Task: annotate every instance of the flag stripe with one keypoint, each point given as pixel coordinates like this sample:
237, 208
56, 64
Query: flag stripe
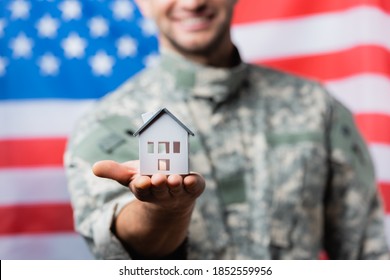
57, 218
43, 118
33, 185
60, 246
363, 94
36, 218
387, 229
381, 157
249, 11
385, 192
374, 127
338, 64
32, 152
331, 32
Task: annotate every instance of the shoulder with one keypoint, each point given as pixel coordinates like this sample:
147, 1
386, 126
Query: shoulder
270, 78
280, 86
289, 98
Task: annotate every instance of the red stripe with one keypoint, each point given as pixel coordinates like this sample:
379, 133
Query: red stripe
374, 127
336, 65
32, 152
248, 11
384, 189
49, 152
40, 218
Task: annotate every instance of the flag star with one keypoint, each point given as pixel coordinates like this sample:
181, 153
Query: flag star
21, 46
148, 27
101, 64
71, 9
20, 9
3, 65
2, 26
74, 46
126, 46
151, 60
98, 27
47, 26
122, 9
49, 64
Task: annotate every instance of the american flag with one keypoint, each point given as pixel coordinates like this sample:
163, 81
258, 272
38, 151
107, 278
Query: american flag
58, 57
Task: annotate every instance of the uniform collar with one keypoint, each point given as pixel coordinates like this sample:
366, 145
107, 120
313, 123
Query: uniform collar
202, 81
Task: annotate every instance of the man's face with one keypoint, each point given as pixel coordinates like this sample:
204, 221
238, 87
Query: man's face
197, 27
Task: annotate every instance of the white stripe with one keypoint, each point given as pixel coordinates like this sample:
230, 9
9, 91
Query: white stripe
33, 185
40, 118
44, 247
313, 34
387, 229
381, 157
366, 93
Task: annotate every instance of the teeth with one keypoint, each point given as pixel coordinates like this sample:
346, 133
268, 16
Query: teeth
194, 21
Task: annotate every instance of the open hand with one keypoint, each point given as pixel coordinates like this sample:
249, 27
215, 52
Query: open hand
169, 192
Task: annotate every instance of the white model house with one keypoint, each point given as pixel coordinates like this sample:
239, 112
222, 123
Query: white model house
163, 144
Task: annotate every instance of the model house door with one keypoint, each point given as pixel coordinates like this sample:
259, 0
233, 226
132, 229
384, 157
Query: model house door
163, 165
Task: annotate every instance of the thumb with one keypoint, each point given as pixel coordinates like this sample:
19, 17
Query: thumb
122, 173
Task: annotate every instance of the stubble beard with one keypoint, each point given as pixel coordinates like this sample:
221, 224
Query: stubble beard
205, 50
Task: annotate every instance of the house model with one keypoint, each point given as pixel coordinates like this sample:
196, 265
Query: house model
163, 144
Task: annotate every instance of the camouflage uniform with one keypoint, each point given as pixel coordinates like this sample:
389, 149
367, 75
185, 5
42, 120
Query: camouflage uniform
286, 171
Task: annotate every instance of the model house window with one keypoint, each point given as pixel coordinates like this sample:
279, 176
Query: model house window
163, 147
163, 165
150, 147
176, 147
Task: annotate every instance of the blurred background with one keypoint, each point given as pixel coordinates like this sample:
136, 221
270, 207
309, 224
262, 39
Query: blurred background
58, 57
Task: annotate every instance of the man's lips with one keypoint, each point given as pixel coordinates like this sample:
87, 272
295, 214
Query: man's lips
194, 23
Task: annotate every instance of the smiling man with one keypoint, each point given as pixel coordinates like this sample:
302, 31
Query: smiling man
196, 29
282, 170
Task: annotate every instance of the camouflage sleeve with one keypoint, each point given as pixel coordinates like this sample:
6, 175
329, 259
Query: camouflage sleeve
354, 226
96, 201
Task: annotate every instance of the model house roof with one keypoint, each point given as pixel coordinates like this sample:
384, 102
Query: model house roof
156, 116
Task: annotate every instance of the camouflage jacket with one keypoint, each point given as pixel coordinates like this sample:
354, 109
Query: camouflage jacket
287, 174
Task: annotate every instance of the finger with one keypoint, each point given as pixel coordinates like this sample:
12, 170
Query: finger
132, 164
122, 173
141, 188
141, 182
158, 179
104, 168
159, 187
194, 184
175, 185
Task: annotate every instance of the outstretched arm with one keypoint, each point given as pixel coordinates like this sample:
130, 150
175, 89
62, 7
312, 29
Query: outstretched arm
156, 224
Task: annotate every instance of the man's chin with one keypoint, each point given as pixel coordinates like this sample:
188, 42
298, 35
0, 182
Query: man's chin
198, 49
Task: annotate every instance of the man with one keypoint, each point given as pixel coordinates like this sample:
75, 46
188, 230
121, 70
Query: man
283, 172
